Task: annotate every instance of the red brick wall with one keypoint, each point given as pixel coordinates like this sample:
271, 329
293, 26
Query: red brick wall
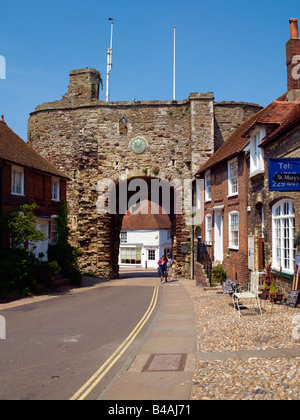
37, 189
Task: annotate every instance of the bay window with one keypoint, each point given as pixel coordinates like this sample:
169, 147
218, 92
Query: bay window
283, 230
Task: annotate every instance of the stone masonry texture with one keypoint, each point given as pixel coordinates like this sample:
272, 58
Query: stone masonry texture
89, 140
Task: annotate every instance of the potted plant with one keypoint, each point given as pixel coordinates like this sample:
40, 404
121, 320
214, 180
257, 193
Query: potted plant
219, 274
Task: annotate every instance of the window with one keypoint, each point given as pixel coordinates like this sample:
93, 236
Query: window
123, 126
151, 254
123, 237
208, 228
131, 255
168, 234
233, 188
256, 152
53, 230
199, 193
233, 229
55, 189
283, 227
17, 180
207, 186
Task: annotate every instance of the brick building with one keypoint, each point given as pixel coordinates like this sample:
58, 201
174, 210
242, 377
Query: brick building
225, 219
274, 194
145, 236
119, 142
25, 178
258, 216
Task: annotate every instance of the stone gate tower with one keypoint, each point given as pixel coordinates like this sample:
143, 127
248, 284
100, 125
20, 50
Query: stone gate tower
92, 140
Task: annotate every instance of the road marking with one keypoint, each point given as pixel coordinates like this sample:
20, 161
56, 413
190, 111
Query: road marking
102, 371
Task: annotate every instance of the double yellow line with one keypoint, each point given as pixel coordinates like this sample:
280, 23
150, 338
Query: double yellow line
102, 371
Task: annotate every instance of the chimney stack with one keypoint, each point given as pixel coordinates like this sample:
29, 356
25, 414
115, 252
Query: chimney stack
294, 28
293, 62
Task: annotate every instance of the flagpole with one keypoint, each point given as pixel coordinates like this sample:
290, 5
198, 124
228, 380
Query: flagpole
109, 60
174, 64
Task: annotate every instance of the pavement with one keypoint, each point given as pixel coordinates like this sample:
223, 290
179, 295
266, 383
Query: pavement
164, 366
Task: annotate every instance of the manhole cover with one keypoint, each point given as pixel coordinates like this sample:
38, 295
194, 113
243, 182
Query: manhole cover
170, 362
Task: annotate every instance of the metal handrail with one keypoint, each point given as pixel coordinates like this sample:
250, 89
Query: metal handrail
204, 258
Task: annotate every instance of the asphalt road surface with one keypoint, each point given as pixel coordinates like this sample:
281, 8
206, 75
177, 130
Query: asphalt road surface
73, 346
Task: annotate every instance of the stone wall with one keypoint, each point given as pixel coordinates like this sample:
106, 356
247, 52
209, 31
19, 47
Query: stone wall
90, 141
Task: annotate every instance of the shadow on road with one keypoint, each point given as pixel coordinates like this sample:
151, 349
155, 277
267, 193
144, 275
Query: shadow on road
126, 274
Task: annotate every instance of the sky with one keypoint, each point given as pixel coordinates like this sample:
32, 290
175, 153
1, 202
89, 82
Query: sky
234, 48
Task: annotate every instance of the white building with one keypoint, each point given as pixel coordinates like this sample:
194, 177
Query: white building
144, 237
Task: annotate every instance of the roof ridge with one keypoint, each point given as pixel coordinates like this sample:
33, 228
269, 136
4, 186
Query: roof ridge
10, 136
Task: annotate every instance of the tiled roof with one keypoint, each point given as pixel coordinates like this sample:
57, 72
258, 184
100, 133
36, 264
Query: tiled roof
278, 115
134, 219
284, 116
16, 151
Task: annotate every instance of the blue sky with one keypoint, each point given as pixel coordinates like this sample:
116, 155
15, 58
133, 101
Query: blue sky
234, 48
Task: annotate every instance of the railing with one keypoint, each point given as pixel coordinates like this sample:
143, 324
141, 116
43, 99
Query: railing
205, 256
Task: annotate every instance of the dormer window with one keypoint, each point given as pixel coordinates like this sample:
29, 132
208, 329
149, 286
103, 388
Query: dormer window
256, 152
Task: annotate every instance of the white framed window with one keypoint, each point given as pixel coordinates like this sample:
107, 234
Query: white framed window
256, 152
233, 185
53, 230
208, 228
55, 196
131, 255
17, 180
283, 230
123, 237
151, 254
233, 229
207, 186
199, 193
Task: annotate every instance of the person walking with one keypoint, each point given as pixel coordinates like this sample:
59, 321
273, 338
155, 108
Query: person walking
168, 268
162, 265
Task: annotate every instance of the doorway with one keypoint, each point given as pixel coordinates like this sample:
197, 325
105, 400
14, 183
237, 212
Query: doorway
218, 228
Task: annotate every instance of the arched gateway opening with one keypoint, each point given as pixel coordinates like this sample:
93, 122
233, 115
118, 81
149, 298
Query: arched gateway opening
114, 200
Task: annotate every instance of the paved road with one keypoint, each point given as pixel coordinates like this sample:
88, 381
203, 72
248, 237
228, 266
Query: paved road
53, 347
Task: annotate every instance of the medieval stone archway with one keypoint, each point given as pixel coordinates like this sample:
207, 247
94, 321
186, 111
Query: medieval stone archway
94, 142
101, 240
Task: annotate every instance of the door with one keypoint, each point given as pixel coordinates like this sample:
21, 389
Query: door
218, 228
40, 249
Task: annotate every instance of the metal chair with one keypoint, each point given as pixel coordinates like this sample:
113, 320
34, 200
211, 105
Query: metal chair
248, 298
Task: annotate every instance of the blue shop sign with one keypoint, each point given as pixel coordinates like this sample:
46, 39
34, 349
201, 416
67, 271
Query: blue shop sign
284, 174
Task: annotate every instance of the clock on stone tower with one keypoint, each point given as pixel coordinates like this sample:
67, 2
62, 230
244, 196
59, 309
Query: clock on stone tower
138, 145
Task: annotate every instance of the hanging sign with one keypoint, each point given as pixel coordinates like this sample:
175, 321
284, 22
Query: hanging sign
284, 174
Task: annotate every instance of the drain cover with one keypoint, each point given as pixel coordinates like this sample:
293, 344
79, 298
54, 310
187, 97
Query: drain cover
166, 362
